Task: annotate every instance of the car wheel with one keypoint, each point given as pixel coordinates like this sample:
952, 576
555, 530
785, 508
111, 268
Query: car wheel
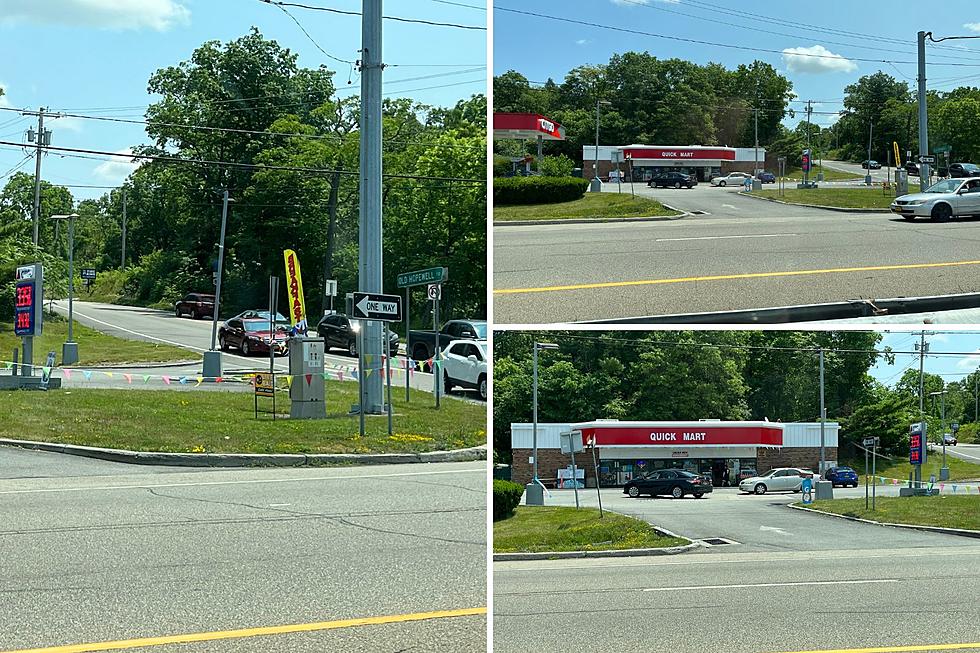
677, 492
760, 488
942, 213
419, 353
352, 347
698, 496
246, 350
483, 387
633, 491
193, 313
721, 183
177, 311
222, 343
447, 385
677, 184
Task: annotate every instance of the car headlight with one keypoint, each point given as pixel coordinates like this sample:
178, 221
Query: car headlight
916, 203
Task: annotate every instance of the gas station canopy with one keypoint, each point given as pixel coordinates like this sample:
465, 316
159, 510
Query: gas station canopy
526, 126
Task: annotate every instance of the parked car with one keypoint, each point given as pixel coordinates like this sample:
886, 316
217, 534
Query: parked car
731, 179
911, 167
252, 337
422, 344
781, 479
766, 177
256, 314
675, 482
963, 170
197, 305
465, 366
950, 440
870, 165
943, 200
339, 331
672, 179
843, 476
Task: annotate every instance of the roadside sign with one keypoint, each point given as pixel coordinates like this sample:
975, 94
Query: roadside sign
263, 385
422, 277
46, 371
330, 288
927, 159
28, 295
917, 444
805, 160
943, 149
898, 158
433, 291
571, 441
871, 442
375, 306
88, 274
955, 426
616, 156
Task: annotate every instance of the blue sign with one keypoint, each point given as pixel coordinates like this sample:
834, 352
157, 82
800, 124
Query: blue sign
917, 444
26, 308
807, 489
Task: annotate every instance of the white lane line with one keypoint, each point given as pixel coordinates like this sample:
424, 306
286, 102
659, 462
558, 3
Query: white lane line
672, 240
137, 333
728, 206
790, 584
254, 481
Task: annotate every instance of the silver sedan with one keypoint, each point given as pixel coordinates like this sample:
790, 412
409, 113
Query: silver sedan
943, 200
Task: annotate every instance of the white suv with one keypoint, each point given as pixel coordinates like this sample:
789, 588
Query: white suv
464, 364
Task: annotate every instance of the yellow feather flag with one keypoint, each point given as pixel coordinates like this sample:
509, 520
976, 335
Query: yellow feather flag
294, 284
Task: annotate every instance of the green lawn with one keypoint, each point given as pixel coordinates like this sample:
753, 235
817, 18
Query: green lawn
94, 348
540, 528
592, 205
855, 198
185, 421
829, 174
945, 510
900, 468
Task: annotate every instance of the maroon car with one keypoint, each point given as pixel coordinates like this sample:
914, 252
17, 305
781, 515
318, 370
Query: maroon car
196, 305
252, 337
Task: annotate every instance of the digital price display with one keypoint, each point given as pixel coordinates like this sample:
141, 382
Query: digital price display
805, 160
25, 308
915, 449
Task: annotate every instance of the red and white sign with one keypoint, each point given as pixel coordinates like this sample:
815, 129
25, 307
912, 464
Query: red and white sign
526, 125
681, 153
682, 434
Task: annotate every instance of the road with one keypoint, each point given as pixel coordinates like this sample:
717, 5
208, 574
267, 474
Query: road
967, 452
739, 253
879, 175
102, 552
788, 582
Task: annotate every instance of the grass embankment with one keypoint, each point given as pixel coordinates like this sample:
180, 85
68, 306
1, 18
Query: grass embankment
829, 174
538, 528
959, 469
94, 348
852, 198
592, 205
223, 422
945, 511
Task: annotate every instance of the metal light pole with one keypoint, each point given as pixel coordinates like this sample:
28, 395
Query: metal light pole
69, 350
534, 489
871, 127
122, 265
944, 470
823, 417
923, 114
596, 184
212, 358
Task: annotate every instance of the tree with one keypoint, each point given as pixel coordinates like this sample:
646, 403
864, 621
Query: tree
888, 419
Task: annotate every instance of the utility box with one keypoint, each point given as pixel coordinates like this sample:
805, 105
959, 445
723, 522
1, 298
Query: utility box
901, 182
306, 393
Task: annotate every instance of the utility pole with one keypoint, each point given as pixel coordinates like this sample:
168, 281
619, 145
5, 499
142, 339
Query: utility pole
806, 173
823, 418
871, 127
123, 260
923, 348
42, 138
923, 114
369, 228
756, 142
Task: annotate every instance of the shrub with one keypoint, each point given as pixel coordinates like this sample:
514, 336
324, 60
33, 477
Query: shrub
501, 166
506, 497
537, 190
556, 166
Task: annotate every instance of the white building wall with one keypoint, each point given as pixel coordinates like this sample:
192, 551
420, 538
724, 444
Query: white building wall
748, 154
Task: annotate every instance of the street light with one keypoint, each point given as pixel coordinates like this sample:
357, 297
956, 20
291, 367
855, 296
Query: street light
596, 184
944, 470
534, 489
69, 350
212, 358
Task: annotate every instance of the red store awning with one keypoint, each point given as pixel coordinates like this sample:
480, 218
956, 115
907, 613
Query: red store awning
526, 125
682, 434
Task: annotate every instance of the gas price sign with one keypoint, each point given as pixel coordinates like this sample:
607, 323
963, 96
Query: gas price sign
917, 442
25, 308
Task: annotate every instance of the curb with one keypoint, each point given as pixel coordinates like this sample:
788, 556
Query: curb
658, 218
613, 553
916, 527
251, 459
838, 209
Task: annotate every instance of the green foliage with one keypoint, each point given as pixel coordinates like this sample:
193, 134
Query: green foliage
556, 166
506, 497
887, 419
537, 190
969, 433
501, 165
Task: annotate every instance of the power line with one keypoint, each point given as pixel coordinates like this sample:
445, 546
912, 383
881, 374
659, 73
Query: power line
18, 166
400, 19
312, 40
460, 4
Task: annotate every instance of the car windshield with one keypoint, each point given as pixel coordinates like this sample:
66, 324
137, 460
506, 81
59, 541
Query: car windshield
253, 326
945, 186
481, 330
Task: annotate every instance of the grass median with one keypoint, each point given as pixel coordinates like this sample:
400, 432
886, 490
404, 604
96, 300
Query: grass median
535, 529
945, 511
850, 198
94, 348
829, 174
959, 469
224, 422
591, 206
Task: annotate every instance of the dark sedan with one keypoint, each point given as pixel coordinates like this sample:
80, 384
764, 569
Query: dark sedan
341, 332
672, 180
871, 165
963, 170
675, 482
252, 337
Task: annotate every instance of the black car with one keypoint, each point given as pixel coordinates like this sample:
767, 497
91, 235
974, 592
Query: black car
340, 331
962, 170
672, 180
871, 165
675, 482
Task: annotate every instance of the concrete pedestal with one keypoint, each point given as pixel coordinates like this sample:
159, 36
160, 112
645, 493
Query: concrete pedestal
823, 490
533, 495
69, 353
595, 185
756, 184
212, 364
867, 180
944, 473
918, 492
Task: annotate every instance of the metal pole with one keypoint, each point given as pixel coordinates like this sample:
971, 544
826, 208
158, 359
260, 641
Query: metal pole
756, 142
806, 173
595, 169
922, 417
360, 375
923, 113
540, 152
71, 279
942, 422
874, 472
272, 325
370, 227
123, 266
574, 479
866, 477
823, 417
871, 129
388, 372
408, 354
534, 403
221, 265
595, 463
436, 371
36, 211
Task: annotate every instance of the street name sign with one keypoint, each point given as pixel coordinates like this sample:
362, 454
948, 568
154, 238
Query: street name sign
422, 277
375, 306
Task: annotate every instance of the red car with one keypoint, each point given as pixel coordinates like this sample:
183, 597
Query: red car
196, 305
252, 337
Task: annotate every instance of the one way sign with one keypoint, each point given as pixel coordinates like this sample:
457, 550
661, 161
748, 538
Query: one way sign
373, 306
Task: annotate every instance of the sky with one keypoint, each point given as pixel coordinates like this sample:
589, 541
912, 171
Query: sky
952, 367
94, 57
840, 30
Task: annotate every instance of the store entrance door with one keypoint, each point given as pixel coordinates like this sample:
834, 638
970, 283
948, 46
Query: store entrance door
718, 472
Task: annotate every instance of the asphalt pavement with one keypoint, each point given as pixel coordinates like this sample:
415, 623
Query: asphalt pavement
788, 581
734, 252
99, 552
968, 452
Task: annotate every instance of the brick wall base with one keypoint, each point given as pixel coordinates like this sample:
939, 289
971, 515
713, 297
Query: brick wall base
805, 457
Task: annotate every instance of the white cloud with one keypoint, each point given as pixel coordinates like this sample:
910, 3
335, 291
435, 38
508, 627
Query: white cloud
117, 169
582, 42
103, 14
816, 59
973, 27
969, 362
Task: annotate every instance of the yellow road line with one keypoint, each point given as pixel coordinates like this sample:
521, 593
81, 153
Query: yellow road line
900, 649
254, 632
729, 277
